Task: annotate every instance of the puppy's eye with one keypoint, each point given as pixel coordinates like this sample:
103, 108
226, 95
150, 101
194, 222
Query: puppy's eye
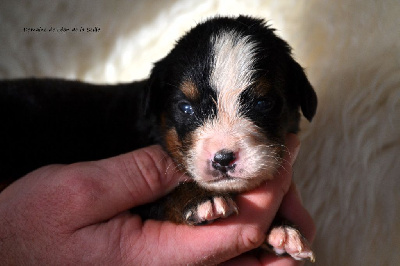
263, 105
186, 108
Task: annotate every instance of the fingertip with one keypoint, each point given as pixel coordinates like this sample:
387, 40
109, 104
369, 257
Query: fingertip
149, 171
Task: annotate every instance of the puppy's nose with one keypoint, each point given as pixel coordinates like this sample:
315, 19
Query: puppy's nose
223, 159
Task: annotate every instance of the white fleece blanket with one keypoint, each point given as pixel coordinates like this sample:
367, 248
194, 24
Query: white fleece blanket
348, 169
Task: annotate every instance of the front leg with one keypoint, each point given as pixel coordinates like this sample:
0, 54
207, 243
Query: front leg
190, 204
203, 206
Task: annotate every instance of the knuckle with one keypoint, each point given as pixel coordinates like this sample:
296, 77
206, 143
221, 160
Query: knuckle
78, 189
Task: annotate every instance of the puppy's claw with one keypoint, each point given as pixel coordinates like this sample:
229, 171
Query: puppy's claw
210, 210
288, 240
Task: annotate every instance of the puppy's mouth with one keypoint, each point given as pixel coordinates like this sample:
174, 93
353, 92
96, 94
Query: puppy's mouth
222, 169
218, 177
221, 173
224, 179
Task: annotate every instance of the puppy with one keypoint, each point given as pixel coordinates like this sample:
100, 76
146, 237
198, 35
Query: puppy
221, 103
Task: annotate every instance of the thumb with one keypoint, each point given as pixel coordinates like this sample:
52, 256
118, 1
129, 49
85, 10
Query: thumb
105, 188
143, 175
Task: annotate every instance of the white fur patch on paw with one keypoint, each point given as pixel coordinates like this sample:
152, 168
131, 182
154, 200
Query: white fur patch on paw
210, 210
288, 240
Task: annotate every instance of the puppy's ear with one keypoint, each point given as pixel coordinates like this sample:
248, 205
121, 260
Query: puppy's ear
305, 94
154, 98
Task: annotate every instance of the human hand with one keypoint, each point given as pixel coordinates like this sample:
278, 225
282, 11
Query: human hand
291, 209
79, 214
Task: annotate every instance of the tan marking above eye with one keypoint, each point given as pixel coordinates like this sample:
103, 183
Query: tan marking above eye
261, 88
190, 90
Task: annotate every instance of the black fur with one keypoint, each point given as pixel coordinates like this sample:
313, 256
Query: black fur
48, 121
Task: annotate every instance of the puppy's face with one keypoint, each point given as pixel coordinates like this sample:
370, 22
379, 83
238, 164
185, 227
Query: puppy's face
227, 95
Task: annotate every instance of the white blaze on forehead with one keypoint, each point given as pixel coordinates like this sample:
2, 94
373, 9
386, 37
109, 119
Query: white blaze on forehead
232, 68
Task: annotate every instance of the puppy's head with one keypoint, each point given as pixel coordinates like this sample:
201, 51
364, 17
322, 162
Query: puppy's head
226, 96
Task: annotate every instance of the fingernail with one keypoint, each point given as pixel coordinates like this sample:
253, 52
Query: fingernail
293, 145
294, 154
297, 192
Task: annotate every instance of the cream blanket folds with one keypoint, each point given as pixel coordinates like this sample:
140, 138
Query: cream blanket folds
348, 169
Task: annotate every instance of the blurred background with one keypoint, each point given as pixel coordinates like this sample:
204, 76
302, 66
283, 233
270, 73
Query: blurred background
348, 169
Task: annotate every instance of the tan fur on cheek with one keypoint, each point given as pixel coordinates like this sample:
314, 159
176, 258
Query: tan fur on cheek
174, 147
172, 143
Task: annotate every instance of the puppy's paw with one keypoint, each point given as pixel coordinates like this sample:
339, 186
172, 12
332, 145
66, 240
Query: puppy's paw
288, 240
209, 210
